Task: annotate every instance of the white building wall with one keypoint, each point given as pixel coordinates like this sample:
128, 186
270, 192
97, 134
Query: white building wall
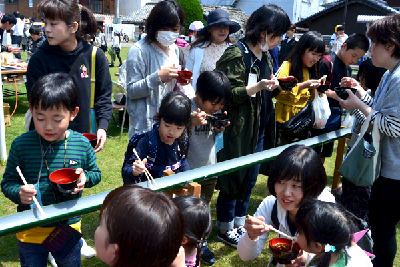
249, 6
126, 7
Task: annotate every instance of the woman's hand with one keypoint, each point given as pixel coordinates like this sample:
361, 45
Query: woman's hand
311, 84
14, 50
350, 82
269, 85
352, 102
198, 118
167, 74
332, 94
255, 226
101, 140
26, 194
81, 182
138, 167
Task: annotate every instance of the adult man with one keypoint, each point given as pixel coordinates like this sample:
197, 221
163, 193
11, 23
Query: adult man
336, 66
7, 22
288, 43
17, 31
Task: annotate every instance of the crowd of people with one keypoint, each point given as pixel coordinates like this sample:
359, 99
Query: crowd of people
170, 129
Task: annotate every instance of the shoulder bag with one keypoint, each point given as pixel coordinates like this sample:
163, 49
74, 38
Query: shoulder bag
363, 162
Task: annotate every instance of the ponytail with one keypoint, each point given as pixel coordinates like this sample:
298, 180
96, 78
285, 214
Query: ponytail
88, 24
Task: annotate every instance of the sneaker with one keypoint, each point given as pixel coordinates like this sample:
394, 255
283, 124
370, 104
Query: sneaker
207, 256
86, 251
52, 260
231, 237
240, 230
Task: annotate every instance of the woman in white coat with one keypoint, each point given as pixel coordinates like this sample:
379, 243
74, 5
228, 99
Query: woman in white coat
211, 43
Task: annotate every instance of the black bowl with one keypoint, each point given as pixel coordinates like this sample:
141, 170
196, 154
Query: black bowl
287, 83
66, 180
92, 138
342, 93
218, 120
324, 87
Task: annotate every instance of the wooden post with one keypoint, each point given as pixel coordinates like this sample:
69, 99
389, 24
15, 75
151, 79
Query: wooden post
338, 162
192, 188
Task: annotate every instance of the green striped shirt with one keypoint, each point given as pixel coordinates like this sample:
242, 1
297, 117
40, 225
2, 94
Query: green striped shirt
26, 152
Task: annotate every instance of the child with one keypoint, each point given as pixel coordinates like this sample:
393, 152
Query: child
303, 64
36, 34
138, 227
54, 103
164, 147
65, 50
198, 226
297, 175
336, 66
325, 230
213, 91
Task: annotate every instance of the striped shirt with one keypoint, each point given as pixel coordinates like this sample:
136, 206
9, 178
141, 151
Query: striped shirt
26, 152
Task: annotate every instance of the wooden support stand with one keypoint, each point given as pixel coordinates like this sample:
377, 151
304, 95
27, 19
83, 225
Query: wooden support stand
192, 188
338, 162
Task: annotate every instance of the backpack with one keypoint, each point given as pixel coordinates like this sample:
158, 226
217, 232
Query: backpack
328, 61
152, 150
97, 41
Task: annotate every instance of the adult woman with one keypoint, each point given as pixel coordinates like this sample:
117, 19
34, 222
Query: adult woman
65, 50
211, 43
151, 65
249, 111
383, 217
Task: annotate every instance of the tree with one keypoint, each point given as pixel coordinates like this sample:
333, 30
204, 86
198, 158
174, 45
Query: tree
193, 12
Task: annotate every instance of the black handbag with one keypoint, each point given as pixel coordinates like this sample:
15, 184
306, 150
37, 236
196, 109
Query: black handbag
300, 123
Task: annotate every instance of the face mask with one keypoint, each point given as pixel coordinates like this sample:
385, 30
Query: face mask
264, 47
166, 38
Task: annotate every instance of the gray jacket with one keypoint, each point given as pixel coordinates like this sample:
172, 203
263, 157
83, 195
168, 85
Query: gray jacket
143, 84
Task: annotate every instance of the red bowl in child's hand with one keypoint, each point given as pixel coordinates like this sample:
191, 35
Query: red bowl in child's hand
92, 138
287, 83
280, 248
184, 76
66, 179
324, 87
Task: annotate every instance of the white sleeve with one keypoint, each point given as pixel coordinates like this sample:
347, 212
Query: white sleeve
250, 249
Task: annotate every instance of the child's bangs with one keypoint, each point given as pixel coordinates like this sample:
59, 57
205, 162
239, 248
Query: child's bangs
53, 10
176, 116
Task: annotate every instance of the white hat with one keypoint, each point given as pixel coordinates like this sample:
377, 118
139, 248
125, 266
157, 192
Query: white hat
196, 26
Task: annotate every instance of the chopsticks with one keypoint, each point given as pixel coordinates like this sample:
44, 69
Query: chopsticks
277, 231
146, 172
280, 69
34, 198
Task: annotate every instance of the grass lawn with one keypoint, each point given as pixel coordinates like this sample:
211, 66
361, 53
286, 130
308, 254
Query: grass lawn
110, 162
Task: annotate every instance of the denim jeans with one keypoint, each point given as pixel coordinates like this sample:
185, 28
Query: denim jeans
232, 212
35, 255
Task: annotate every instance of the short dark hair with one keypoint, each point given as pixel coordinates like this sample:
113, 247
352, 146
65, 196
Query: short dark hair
340, 28
371, 74
386, 31
325, 223
16, 14
10, 18
197, 217
314, 42
100, 29
141, 27
292, 26
270, 18
165, 14
35, 29
22, 17
69, 11
55, 90
302, 164
140, 220
357, 40
213, 86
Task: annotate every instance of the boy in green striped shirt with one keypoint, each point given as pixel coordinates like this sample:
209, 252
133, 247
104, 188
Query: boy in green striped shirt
51, 146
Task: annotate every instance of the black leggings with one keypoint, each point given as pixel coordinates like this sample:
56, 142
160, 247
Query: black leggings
383, 216
119, 57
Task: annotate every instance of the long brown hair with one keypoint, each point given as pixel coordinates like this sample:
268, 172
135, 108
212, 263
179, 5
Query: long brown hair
70, 12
